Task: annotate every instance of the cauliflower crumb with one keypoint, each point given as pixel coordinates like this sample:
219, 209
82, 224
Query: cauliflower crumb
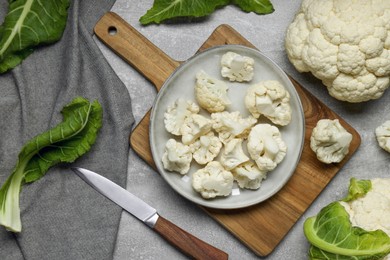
177, 157
236, 67
382, 133
330, 141
270, 99
211, 93
212, 181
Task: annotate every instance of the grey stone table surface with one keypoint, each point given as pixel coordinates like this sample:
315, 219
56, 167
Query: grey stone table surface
181, 41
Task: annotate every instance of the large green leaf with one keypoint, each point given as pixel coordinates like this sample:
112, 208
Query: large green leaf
333, 237
257, 6
28, 24
66, 142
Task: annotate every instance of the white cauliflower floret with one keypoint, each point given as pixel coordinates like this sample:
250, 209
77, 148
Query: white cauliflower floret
372, 211
382, 133
193, 127
233, 154
211, 93
206, 148
176, 114
266, 146
236, 67
248, 175
177, 157
346, 44
212, 181
330, 141
230, 125
270, 99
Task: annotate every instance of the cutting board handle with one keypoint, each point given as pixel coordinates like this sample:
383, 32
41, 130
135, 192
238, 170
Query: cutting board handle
134, 48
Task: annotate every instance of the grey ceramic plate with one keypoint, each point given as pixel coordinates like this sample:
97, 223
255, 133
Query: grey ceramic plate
181, 85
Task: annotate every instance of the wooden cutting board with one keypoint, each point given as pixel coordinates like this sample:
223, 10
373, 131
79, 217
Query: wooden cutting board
260, 227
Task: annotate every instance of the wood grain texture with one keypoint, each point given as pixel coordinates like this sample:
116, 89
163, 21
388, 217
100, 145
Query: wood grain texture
260, 227
187, 243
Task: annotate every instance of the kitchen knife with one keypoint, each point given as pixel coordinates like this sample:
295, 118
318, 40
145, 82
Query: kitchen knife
187, 243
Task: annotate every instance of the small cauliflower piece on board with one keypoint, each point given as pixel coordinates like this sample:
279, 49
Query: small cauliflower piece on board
270, 99
266, 146
212, 181
248, 175
330, 141
236, 67
211, 93
177, 113
193, 127
177, 157
206, 148
382, 133
233, 154
230, 125
346, 44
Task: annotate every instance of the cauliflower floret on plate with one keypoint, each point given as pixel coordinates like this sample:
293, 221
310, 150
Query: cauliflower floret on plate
345, 44
270, 99
177, 113
211, 93
193, 127
382, 134
266, 146
236, 67
230, 125
248, 175
212, 181
206, 148
330, 141
233, 154
177, 157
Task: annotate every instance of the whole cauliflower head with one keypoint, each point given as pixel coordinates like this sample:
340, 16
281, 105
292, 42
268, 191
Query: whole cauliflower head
193, 127
270, 99
248, 175
230, 125
212, 181
236, 67
177, 157
266, 146
177, 113
330, 141
206, 148
211, 93
233, 154
344, 43
382, 133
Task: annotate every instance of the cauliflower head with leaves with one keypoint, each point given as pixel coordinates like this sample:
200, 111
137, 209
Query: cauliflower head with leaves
344, 43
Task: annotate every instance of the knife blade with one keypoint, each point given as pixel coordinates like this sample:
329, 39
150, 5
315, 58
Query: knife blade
184, 241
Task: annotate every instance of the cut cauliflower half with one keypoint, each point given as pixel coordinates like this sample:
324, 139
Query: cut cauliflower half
177, 113
270, 99
236, 67
212, 181
211, 93
206, 148
346, 44
382, 133
230, 125
266, 146
193, 127
249, 176
177, 157
233, 154
330, 141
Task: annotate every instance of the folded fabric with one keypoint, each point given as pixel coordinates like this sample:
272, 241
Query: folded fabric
62, 217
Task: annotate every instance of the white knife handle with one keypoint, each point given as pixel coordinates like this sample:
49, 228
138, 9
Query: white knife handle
187, 243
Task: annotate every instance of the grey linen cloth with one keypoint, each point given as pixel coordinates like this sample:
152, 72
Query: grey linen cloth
63, 217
